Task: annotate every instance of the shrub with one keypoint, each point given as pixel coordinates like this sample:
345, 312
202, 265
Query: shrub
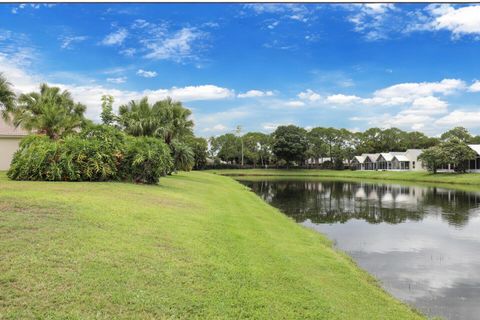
183, 156
70, 159
146, 159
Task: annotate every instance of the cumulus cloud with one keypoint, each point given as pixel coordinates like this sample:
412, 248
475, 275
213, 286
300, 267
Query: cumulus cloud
146, 74
342, 99
460, 118
255, 94
475, 87
373, 20
309, 95
115, 38
459, 21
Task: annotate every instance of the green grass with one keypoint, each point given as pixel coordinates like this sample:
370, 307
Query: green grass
448, 178
196, 246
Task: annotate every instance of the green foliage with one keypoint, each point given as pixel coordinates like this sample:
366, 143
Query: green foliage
7, 98
290, 143
70, 159
226, 147
257, 148
51, 112
459, 133
107, 115
183, 156
165, 119
433, 158
453, 151
200, 151
146, 159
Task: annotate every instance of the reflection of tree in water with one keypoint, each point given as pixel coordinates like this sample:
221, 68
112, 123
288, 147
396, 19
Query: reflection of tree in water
335, 201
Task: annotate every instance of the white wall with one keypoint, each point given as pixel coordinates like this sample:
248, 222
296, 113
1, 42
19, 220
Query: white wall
8, 146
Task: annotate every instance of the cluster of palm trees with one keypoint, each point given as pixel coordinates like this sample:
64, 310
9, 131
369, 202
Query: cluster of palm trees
54, 113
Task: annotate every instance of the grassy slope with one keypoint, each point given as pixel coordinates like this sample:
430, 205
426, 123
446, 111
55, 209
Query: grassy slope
450, 178
196, 246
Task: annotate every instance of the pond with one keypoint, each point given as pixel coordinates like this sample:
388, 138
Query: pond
422, 243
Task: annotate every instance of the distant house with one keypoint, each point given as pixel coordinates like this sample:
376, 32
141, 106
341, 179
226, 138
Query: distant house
395, 161
9, 140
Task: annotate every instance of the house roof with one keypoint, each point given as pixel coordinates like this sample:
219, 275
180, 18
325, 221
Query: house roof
8, 130
401, 158
360, 159
372, 156
475, 147
387, 156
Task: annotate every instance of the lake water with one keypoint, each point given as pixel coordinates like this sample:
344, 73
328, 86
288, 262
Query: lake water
422, 243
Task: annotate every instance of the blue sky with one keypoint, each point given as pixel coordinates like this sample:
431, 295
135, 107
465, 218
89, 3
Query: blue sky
258, 65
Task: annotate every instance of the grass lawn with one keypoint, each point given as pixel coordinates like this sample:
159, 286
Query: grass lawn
196, 246
449, 178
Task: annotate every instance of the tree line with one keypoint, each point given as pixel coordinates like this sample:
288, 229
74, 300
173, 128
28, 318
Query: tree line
330, 147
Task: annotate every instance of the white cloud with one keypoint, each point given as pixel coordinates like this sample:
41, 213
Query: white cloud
374, 20
460, 21
128, 52
177, 47
117, 80
115, 38
146, 74
295, 104
309, 95
475, 87
427, 106
218, 128
191, 93
342, 99
255, 94
68, 41
460, 118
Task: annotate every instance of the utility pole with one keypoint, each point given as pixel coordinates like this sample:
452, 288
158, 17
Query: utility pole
238, 131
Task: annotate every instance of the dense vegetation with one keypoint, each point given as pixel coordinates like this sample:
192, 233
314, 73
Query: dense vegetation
291, 145
142, 143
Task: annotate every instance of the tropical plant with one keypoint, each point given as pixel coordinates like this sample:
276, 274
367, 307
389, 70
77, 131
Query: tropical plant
51, 112
7, 98
165, 119
146, 159
107, 115
199, 147
183, 156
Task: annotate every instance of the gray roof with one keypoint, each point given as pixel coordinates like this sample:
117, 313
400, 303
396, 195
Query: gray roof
8, 130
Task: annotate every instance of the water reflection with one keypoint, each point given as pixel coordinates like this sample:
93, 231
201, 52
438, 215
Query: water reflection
422, 243
334, 201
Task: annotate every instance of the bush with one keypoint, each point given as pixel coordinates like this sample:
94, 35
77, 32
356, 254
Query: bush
71, 159
146, 159
99, 153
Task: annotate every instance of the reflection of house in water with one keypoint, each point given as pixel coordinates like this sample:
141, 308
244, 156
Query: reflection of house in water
335, 201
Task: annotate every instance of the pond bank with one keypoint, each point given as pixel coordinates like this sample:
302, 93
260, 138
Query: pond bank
413, 176
196, 246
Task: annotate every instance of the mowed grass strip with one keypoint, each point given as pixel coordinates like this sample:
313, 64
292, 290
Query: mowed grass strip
197, 246
414, 176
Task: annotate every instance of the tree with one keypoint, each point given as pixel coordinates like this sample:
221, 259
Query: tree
165, 119
183, 156
7, 98
458, 153
318, 147
107, 115
200, 151
257, 147
434, 158
226, 147
458, 132
290, 143
51, 112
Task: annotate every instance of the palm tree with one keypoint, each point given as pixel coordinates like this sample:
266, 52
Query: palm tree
51, 112
7, 98
165, 119
183, 156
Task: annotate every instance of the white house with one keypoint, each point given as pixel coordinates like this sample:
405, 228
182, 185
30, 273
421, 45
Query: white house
400, 161
9, 141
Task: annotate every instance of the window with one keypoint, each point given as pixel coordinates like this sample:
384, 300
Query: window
413, 164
